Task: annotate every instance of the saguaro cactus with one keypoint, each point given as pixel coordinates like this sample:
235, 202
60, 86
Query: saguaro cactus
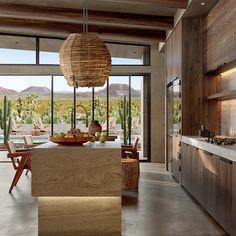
125, 120
5, 119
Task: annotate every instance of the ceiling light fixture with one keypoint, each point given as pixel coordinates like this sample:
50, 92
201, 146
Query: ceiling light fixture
202, 3
85, 60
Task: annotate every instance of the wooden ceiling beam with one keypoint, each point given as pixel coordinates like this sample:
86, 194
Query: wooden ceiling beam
63, 15
11, 24
155, 3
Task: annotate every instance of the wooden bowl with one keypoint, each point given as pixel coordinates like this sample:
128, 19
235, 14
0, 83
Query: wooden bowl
70, 141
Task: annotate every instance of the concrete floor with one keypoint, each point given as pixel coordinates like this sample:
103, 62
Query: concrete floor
161, 208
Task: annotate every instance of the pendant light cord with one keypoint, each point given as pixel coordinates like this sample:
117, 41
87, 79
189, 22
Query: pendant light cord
85, 16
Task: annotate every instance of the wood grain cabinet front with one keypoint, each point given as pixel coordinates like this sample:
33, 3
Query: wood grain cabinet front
176, 157
232, 228
220, 35
174, 54
211, 180
188, 156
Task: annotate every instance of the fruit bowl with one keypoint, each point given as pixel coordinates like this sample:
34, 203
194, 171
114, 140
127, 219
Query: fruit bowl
70, 141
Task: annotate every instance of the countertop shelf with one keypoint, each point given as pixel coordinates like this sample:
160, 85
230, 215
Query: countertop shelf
227, 95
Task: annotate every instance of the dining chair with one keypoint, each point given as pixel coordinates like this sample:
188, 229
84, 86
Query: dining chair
130, 151
21, 160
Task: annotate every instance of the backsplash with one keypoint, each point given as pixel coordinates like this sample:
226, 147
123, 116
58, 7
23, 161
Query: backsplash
228, 107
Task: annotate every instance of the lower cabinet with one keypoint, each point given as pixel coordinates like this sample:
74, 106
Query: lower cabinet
233, 211
176, 157
210, 179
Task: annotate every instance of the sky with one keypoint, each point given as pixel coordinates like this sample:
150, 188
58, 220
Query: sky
19, 83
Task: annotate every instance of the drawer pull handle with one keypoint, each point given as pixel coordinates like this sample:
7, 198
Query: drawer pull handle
208, 153
226, 160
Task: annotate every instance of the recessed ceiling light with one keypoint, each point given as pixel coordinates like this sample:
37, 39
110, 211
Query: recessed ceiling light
202, 3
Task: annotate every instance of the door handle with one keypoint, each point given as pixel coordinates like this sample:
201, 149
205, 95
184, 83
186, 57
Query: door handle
179, 154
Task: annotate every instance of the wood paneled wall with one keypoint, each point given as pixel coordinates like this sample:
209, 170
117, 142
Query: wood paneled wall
192, 75
196, 85
220, 35
185, 59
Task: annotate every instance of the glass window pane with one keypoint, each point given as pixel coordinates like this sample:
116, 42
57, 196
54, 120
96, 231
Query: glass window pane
17, 50
49, 50
63, 105
137, 112
30, 97
122, 54
118, 88
100, 105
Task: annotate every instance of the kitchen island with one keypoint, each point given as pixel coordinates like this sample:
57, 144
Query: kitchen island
78, 188
208, 173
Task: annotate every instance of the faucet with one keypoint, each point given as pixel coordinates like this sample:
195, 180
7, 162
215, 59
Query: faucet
79, 119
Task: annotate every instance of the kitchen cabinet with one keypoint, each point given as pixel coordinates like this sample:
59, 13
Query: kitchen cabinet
220, 35
208, 164
224, 193
232, 229
189, 167
184, 59
185, 156
173, 58
210, 179
176, 157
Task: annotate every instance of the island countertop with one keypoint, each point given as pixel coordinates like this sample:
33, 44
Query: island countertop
88, 145
226, 151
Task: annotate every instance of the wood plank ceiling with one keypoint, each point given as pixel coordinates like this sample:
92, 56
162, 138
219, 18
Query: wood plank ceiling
145, 20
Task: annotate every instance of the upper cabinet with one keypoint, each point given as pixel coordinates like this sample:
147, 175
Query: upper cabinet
184, 59
174, 54
220, 36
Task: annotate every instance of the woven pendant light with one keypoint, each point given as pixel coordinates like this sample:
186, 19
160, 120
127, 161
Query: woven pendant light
85, 60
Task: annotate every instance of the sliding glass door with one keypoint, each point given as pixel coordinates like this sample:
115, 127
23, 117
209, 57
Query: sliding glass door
33, 96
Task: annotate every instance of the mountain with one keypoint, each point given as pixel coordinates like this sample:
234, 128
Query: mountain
36, 90
4, 91
117, 90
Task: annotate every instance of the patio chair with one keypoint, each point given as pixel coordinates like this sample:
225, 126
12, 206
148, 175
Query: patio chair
38, 125
134, 125
15, 129
29, 143
111, 125
21, 159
